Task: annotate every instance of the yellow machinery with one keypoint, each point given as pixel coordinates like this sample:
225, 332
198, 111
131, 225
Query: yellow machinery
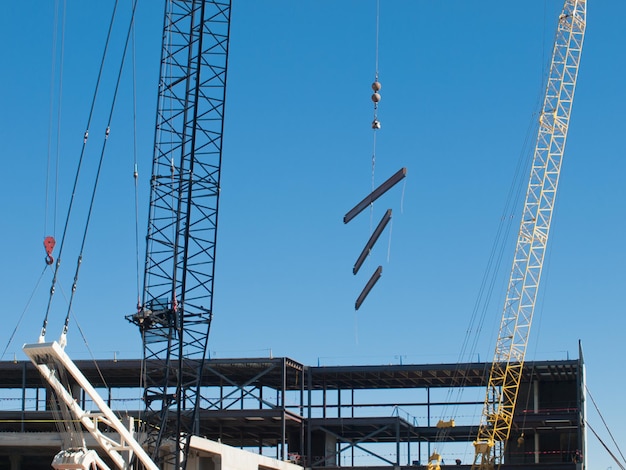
506, 370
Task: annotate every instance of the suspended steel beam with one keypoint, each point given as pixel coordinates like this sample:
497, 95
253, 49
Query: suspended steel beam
373, 239
368, 287
379, 191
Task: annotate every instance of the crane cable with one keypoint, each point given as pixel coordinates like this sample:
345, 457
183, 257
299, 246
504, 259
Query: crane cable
375, 99
61, 61
136, 188
489, 278
605, 425
54, 54
136, 167
613, 456
490, 274
101, 160
376, 87
76, 177
375, 126
376, 96
496, 255
19, 321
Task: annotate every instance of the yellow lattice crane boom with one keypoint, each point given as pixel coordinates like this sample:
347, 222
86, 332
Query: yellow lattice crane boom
506, 370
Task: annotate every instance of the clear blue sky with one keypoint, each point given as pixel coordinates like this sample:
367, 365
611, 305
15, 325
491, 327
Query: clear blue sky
462, 83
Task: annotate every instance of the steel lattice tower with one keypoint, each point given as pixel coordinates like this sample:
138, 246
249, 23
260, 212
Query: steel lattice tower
176, 311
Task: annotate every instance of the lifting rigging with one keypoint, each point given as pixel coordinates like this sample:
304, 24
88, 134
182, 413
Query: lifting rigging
377, 192
508, 362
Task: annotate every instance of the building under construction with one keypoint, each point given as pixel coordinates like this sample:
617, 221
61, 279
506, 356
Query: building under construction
531, 415
348, 416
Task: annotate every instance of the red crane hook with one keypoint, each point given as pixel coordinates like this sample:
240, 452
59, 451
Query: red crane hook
48, 244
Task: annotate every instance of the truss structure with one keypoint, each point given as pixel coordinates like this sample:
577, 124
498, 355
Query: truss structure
53, 362
175, 315
532, 240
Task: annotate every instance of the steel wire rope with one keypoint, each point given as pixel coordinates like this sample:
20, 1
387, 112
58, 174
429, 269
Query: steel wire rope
508, 214
167, 45
51, 112
89, 350
540, 302
613, 456
544, 72
494, 262
492, 270
136, 194
532, 126
595, 405
19, 321
76, 177
490, 276
389, 241
70, 429
374, 128
373, 177
373, 164
377, 32
136, 190
135, 164
525, 414
53, 75
84, 337
59, 109
100, 162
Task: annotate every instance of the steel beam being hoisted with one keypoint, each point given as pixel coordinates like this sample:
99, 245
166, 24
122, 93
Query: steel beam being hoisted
506, 369
371, 197
175, 314
372, 240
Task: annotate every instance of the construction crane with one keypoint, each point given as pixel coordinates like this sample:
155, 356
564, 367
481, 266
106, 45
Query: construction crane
506, 369
174, 316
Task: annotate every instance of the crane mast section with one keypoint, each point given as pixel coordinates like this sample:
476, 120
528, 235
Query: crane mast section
506, 371
175, 314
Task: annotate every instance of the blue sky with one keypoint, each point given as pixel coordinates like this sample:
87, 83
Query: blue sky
462, 83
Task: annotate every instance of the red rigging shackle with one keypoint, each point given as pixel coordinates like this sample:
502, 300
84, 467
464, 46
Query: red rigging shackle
48, 244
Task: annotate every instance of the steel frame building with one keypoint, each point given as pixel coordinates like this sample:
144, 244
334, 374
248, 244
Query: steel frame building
349, 416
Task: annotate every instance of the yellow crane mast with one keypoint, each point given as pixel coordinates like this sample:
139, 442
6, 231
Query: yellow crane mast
506, 369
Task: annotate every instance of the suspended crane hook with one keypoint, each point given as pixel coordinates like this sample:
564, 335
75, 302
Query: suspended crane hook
376, 86
48, 244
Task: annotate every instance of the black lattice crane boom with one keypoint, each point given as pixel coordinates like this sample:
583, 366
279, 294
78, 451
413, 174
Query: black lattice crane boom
175, 314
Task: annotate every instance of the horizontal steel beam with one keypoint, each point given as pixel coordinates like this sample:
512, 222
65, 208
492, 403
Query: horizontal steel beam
379, 191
